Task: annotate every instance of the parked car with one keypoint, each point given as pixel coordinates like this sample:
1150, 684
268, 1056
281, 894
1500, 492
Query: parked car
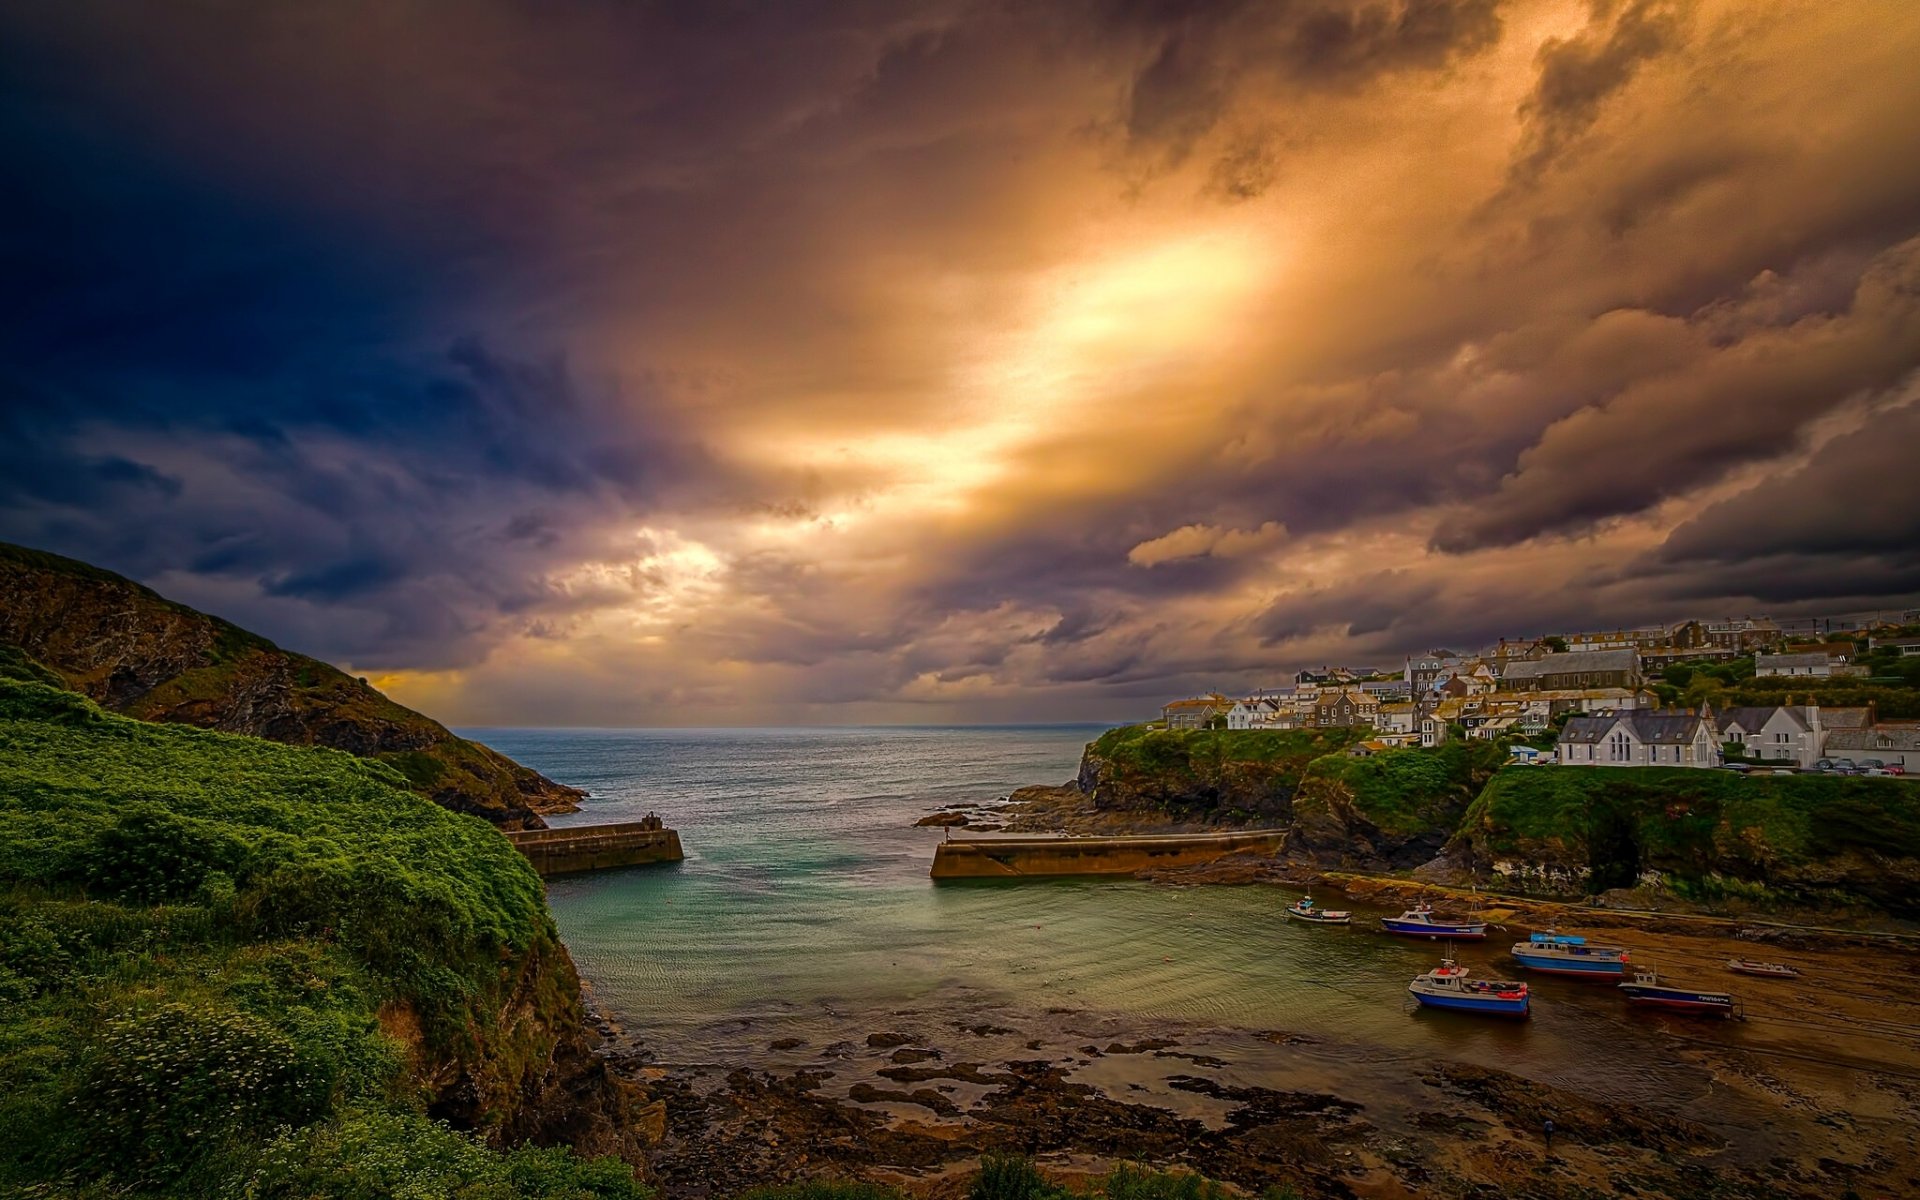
1783, 771
1844, 771
1848, 763
1894, 769
1741, 767
1867, 763
1824, 764
1879, 771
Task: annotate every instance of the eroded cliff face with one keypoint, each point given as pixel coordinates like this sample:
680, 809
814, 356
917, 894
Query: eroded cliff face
524, 1069
135, 652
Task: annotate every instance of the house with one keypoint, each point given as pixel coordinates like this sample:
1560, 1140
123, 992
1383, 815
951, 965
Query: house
1245, 713
1840, 652
1422, 670
1492, 729
1433, 730
1905, 645
1345, 708
1775, 733
1747, 633
1818, 665
1895, 745
1367, 748
1641, 738
1617, 639
1197, 713
1399, 717
1574, 669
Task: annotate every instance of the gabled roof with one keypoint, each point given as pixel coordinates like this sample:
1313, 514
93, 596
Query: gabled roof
1846, 718
1791, 660
1752, 718
1666, 728
1880, 737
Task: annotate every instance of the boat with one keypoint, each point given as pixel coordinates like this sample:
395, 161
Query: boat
1420, 921
1747, 966
1447, 986
1304, 909
1648, 989
1552, 953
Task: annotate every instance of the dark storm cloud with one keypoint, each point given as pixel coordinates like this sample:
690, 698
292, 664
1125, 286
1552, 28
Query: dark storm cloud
1857, 497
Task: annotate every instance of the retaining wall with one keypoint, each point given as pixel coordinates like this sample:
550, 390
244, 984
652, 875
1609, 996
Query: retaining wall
596, 847
1013, 858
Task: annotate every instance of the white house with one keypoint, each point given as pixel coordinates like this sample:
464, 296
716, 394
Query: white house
1397, 718
1643, 738
1777, 732
1794, 664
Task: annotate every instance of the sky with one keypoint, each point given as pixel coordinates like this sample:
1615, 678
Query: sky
934, 361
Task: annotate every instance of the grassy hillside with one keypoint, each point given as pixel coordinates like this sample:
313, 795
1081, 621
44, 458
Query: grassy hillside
1231, 775
1801, 838
234, 967
136, 652
1396, 808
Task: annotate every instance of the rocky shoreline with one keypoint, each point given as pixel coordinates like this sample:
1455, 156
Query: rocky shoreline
921, 1094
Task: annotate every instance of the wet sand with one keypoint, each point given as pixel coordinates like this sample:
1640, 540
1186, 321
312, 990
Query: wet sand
1814, 1094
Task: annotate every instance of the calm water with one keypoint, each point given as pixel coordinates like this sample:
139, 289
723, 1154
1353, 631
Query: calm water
804, 900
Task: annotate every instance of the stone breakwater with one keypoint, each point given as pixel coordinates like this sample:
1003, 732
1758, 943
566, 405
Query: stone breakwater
596, 847
1016, 858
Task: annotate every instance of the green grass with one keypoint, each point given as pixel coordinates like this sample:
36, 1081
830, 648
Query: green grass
199, 935
1799, 837
1237, 774
1406, 792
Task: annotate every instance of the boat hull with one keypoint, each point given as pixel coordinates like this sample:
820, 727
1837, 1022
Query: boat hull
1295, 916
1489, 1006
1434, 931
1683, 1000
1573, 968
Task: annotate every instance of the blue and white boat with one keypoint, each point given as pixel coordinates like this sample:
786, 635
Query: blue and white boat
1447, 986
1420, 921
1552, 953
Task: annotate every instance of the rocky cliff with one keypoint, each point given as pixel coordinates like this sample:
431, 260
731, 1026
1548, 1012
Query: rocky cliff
135, 652
1388, 811
1224, 777
1801, 840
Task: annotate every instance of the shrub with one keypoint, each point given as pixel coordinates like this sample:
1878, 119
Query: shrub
162, 1088
1012, 1177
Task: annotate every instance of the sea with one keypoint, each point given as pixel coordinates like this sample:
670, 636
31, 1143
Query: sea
804, 909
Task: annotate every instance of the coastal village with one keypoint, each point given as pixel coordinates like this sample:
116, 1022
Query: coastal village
1653, 696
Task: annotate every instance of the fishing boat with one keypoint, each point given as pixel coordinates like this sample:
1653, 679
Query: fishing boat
1646, 988
1447, 986
1552, 953
1304, 909
1420, 921
1747, 966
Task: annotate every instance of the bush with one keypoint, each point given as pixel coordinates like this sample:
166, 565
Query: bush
374, 1155
1012, 1177
162, 1088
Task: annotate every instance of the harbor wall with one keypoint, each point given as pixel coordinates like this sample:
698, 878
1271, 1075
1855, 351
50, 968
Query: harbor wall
596, 847
1015, 858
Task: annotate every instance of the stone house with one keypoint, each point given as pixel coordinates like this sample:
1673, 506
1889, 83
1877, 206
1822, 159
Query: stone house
1895, 745
1345, 708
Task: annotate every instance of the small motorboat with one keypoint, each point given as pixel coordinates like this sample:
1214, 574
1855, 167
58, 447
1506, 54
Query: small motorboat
1447, 986
1304, 909
1421, 922
1747, 966
1552, 953
1647, 988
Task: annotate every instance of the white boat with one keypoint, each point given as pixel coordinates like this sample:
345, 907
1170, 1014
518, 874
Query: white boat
1304, 909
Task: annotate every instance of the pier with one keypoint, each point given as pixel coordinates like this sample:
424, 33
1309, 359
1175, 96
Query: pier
564, 851
1020, 858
